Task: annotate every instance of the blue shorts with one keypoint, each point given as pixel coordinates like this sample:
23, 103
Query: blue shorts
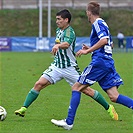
101, 70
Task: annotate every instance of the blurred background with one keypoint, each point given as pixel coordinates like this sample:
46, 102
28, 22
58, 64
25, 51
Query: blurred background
30, 25
19, 4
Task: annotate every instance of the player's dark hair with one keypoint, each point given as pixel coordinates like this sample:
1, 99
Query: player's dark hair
64, 14
94, 8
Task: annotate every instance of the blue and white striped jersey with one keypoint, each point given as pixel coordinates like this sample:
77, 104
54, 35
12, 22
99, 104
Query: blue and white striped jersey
101, 30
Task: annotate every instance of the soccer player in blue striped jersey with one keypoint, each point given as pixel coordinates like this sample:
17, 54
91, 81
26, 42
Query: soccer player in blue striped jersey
101, 69
64, 66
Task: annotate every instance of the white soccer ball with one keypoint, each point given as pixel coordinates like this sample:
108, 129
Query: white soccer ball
3, 113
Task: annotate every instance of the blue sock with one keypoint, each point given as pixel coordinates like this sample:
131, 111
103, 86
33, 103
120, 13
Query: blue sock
75, 100
126, 101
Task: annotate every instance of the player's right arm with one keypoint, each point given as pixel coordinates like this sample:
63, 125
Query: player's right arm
63, 45
96, 46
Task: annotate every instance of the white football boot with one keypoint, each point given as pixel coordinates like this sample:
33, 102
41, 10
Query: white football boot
62, 123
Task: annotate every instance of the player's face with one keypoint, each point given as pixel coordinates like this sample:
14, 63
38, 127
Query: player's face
88, 15
61, 22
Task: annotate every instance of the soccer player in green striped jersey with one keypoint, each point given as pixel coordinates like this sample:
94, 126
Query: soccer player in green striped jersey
64, 66
65, 56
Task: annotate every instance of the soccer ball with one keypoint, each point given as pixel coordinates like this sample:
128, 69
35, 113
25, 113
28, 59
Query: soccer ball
3, 113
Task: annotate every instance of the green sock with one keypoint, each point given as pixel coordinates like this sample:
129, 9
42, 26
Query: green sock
101, 100
32, 95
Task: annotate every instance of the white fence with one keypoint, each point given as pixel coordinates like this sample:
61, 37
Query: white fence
30, 4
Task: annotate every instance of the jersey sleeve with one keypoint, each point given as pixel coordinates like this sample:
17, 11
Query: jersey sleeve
101, 29
69, 36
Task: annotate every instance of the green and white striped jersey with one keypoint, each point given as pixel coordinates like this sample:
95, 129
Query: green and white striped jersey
65, 57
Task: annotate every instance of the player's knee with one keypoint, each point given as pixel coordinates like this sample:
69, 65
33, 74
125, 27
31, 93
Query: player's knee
89, 92
113, 94
73, 88
113, 98
38, 86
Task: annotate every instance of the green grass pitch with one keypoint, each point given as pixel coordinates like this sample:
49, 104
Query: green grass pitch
20, 70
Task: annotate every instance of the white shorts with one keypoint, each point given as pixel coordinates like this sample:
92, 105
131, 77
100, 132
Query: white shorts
55, 74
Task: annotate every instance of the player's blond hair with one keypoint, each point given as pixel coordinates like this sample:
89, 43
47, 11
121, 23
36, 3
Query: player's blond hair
94, 8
